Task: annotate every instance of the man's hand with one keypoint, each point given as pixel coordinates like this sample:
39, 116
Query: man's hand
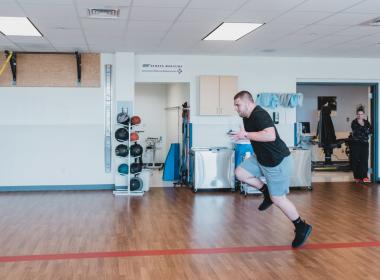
239, 135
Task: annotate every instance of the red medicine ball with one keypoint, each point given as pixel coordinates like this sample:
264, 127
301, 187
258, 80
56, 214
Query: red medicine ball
134, 136
135, 120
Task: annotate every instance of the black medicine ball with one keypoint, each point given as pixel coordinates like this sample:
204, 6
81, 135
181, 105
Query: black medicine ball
121, 134
136, 184
121, 150
123, 118
136, 167
136, 150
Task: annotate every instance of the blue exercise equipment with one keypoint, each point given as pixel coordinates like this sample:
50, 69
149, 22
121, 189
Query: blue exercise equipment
171, 166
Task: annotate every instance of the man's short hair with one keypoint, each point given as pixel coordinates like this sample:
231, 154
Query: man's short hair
244, 94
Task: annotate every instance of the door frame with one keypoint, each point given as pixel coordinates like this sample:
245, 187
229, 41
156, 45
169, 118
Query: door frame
374, 116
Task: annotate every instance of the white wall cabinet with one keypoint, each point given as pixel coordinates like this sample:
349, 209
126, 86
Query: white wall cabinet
216, 94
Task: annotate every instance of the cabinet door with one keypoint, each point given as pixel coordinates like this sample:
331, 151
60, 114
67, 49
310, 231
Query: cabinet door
228, 88
209, 95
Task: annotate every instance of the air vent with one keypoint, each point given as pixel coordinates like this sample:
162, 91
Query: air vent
103, 13
372, 22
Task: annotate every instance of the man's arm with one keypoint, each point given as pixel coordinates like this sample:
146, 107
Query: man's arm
266, 135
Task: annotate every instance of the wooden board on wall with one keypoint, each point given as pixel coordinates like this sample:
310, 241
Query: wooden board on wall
52, 70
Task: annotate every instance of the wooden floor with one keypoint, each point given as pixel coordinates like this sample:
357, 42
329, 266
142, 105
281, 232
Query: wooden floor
95, 235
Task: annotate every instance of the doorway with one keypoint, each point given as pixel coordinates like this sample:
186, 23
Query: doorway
346, 97
159, 106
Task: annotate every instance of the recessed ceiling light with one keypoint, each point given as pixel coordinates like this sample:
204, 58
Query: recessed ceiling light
231, 31
18, 26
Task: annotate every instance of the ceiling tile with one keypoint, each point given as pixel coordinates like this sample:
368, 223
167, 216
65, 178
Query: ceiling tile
267, 5
358, 31
346, 19
293, 27
46, 2
301, 17
5, 42
326, 5
78, 48
43, 24
52, 12
27, 40
107, 25
332, 40
366, 7
243, 15
107, 38
276, 28
159, 14
320, 29
212, 4
204, 15
191, 30
59, 36
38, 48
103, 47
11, 10
102, 3
141, 26
161, 3
146, 35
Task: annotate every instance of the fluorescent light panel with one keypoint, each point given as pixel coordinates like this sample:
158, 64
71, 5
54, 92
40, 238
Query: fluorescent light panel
232, 31
18, 26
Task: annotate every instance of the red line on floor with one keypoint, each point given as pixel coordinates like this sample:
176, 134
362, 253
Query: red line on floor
205, 251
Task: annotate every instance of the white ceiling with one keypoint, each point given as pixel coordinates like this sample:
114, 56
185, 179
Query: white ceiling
322, 28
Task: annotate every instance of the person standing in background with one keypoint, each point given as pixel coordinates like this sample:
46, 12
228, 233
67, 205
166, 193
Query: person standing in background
359, 146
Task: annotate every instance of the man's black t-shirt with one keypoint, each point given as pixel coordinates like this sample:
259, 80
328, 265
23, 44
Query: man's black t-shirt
267, 153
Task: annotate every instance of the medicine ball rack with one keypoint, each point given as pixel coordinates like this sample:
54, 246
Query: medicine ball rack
132, 159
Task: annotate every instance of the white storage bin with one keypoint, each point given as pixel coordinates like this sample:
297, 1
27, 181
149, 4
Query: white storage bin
145, 177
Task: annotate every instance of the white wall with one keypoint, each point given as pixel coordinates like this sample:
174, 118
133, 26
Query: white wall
52, 136
150, 103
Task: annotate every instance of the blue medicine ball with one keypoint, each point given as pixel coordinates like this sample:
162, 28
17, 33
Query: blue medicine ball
123, 168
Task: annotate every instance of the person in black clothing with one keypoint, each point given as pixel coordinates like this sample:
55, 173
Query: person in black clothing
359, 146
271, 160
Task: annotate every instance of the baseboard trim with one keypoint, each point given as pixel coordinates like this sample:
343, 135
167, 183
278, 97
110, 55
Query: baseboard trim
57, 188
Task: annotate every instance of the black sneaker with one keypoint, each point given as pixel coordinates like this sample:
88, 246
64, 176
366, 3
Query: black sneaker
267, 202
302, 233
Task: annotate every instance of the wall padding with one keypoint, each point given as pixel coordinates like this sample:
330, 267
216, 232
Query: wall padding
52, 70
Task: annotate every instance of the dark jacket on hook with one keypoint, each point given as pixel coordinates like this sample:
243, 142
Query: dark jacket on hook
325, 130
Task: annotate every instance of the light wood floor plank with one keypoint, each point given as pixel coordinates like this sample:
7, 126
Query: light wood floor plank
40, 223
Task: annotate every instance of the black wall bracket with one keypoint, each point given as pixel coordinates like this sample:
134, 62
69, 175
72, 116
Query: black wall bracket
12, 63
79, 66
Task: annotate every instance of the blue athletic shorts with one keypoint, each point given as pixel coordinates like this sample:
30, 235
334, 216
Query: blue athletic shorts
277, 177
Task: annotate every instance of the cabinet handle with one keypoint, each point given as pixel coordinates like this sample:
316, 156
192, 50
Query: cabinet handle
221, 110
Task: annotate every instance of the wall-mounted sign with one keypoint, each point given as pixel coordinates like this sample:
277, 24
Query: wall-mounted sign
162, 68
